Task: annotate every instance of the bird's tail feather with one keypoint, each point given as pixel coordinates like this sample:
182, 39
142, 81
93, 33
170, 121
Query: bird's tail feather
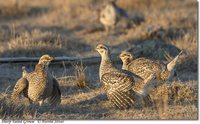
122, 100
55, 98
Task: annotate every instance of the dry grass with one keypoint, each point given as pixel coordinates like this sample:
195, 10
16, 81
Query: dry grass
71, 28
175, 93
80, 76
35, 41
13, 8
92, 104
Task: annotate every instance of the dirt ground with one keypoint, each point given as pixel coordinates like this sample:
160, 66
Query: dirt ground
71, 28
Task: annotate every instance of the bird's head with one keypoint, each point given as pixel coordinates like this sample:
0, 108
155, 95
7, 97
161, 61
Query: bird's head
102, 49
23, 68
46, 59
126, 56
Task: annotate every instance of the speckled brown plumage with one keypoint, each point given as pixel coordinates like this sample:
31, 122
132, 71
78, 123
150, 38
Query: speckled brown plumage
120, 85
40, 84
144, 67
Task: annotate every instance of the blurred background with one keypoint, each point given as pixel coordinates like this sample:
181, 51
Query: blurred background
72, 27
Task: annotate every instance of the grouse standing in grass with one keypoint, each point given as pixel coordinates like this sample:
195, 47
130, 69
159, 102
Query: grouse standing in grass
39, 84
120, 85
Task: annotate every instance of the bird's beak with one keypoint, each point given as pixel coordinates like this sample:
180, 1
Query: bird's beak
96, 48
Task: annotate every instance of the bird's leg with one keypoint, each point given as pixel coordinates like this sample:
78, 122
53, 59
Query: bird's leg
165, 105
157, 105
161, 109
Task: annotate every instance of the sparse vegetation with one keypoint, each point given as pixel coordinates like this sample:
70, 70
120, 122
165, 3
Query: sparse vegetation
175, 93
71, 28
80, 76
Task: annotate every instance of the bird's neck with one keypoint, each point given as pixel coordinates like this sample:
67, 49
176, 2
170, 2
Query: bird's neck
126, 64
106, 65
41, 68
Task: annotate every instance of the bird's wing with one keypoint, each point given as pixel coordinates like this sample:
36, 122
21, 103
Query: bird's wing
122, 100
21, 86
144, 67
146, 70
142, 86
56, 93
118, 87
117, 81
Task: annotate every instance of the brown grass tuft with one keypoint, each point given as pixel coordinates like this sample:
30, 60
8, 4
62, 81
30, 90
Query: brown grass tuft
35, 39
80, 76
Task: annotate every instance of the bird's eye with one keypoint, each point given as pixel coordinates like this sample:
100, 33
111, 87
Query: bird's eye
101, 47
125, 55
